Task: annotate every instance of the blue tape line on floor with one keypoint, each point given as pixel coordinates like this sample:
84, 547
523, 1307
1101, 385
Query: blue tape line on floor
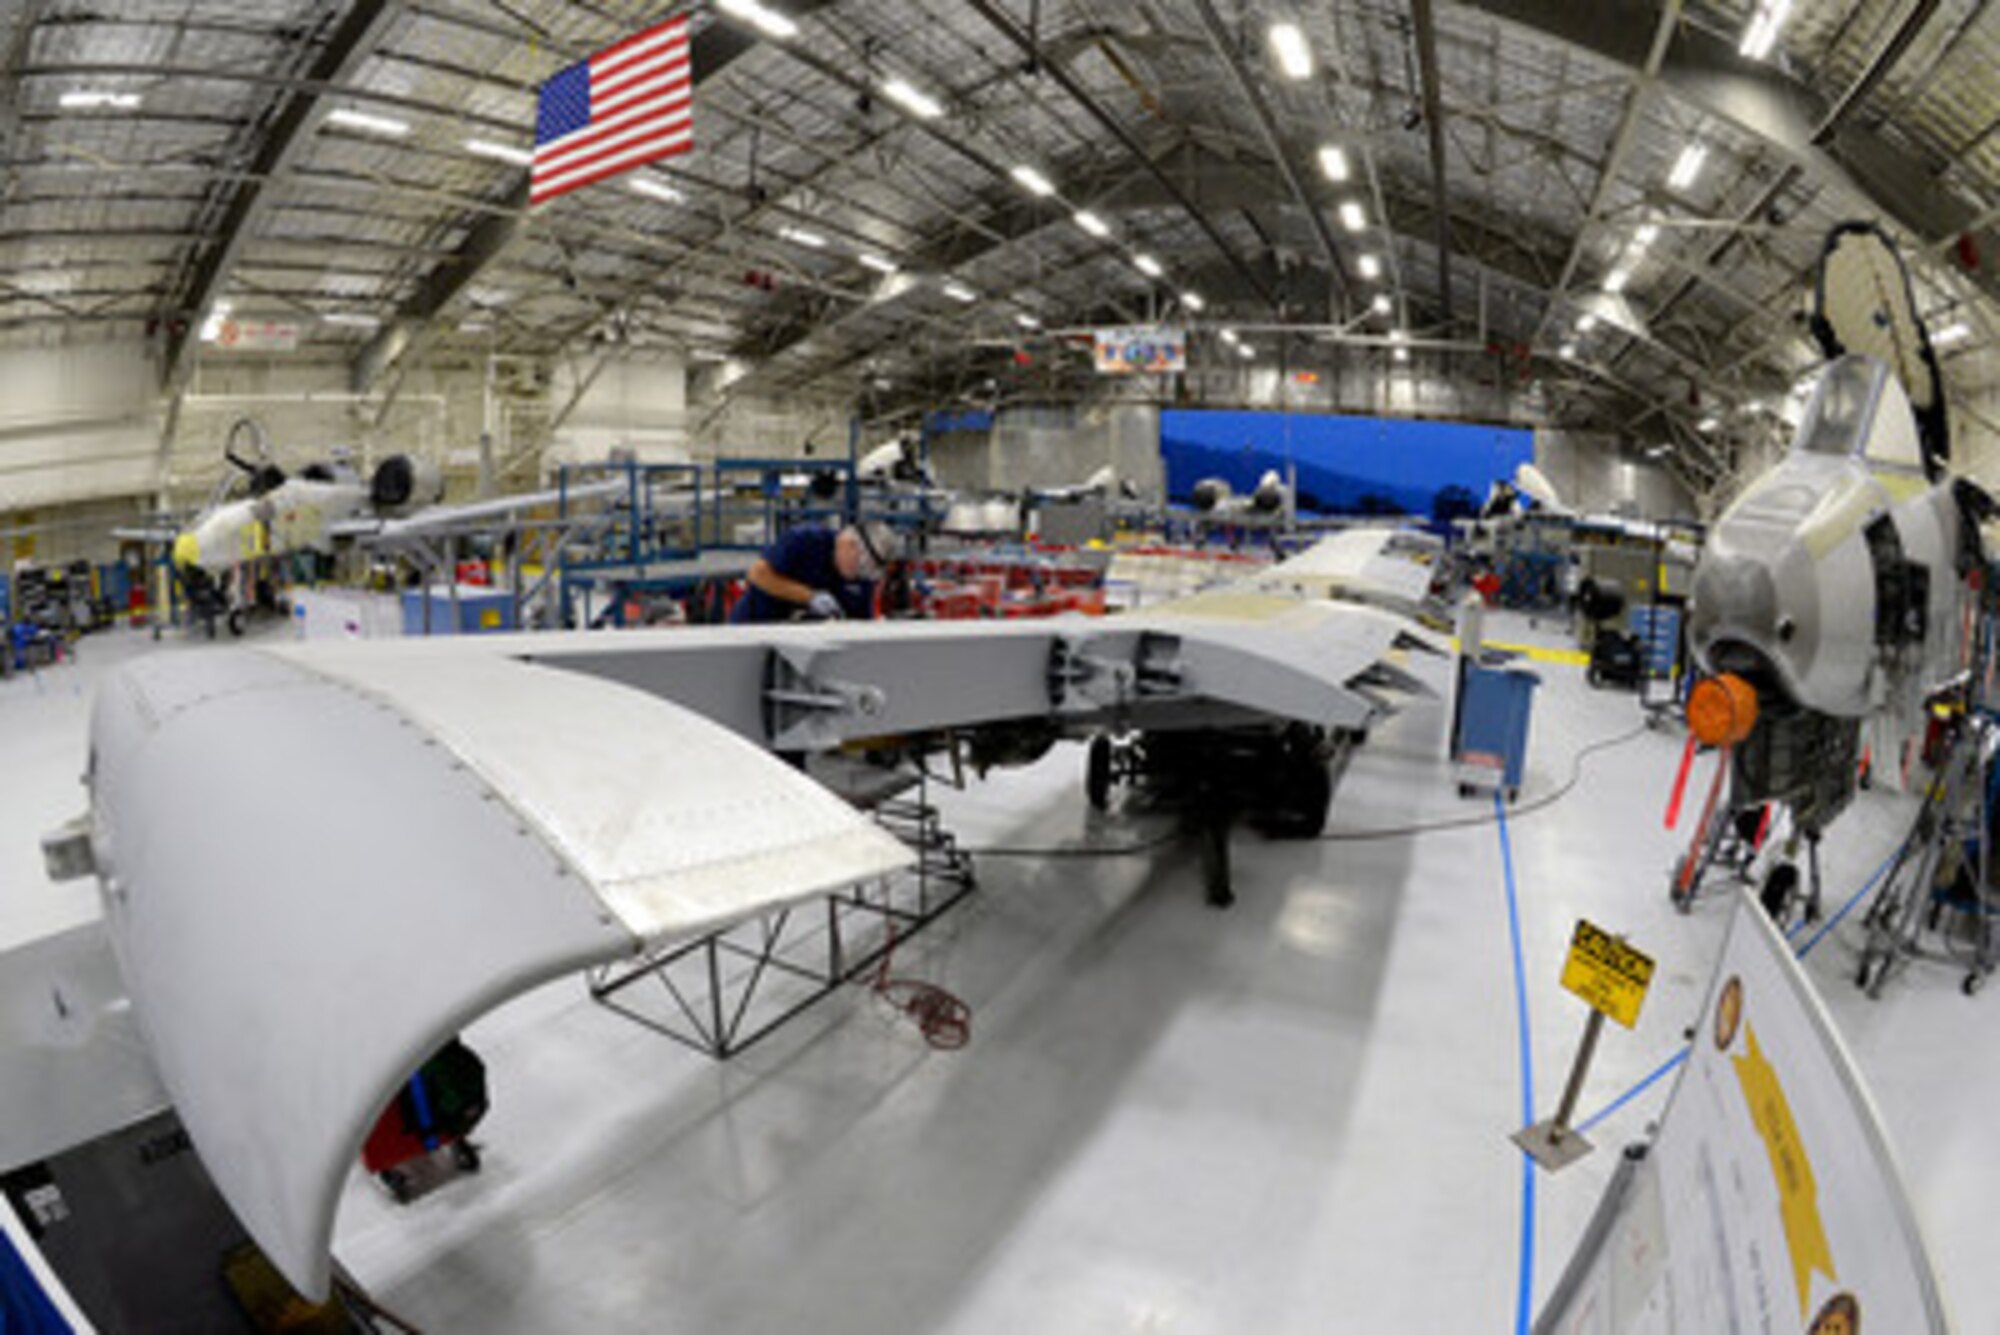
1848, 907
1524, 1294
1662, 1069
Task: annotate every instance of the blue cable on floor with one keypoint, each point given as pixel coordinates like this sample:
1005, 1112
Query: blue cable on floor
1674, 1061
1524, 1295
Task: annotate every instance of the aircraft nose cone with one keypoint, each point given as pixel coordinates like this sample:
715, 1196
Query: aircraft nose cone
1734, 598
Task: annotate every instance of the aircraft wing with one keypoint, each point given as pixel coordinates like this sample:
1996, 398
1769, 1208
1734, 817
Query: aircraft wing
513, 808
498, 824
434, 518
1384, 567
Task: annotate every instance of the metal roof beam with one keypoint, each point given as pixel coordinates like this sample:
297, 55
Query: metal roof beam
1260, 111
1427, 64
1704, 69
1028, 46
347, 47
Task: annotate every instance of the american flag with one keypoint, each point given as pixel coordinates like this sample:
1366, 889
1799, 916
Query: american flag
628, 105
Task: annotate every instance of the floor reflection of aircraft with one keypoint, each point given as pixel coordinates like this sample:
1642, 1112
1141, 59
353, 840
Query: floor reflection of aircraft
1835, 586
539, 803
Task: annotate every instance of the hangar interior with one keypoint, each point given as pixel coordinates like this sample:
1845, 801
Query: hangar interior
1534, 293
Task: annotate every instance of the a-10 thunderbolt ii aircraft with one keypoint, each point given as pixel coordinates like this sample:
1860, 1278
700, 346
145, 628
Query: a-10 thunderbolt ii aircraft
1837, 589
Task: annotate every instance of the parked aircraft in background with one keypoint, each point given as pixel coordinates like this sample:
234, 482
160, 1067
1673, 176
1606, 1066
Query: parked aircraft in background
1215, 502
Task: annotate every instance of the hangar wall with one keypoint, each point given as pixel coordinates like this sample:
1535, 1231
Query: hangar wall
1591, 473
76, 423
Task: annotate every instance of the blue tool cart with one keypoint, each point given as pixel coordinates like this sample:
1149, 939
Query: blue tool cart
1489, 745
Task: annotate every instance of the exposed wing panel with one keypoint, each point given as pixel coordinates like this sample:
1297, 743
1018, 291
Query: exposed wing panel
312, 881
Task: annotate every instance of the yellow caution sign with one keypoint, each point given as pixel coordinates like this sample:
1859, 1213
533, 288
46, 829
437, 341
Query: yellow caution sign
1607, 973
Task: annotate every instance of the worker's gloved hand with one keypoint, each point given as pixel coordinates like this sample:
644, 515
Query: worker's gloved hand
824, 607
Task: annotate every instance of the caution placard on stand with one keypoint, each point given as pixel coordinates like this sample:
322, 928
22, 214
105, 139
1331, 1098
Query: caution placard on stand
1607, 973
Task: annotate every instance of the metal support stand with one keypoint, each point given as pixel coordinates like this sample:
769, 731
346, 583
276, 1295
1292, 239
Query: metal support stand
1552, 1143
725, 991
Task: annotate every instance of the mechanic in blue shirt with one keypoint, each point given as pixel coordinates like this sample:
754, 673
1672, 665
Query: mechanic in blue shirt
820, 574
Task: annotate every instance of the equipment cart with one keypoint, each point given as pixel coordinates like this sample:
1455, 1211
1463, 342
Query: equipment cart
1489, 745
435, 1110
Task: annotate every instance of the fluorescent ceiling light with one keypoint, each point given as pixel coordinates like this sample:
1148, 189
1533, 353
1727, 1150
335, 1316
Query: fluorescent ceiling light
1352, 217
1656, 451
348, 317
1765, 24
1381, 305
1192, 300
1026, 321
1228, 336
486, 148
654, 188
1288, 44
1333, 162
1148, 266
1707, 424
766, 20
709, 355
90, 99
911, 98
1397, 336
1586, 324
1091, 223
1033, 181
1616, 280
1245, 351
799, 236
1566, 351
879, 263
1951, 333
475, 326
1647, 234
1401, 354
1370, 266
361, 120
1687, 166
959, 292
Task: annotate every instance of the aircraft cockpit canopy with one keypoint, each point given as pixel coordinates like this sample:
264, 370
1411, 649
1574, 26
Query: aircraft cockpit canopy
1859, 411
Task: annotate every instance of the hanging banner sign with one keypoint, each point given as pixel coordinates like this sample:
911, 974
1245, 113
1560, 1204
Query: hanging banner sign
257, 336
1142, 350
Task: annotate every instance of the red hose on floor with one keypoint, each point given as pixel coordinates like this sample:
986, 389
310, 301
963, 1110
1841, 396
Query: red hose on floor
944, 1020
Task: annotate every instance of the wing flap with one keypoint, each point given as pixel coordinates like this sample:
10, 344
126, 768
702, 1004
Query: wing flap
311, 882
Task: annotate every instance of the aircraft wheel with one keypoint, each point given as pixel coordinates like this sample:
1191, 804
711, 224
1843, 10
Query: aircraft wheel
466, 1155
1097, 773
236, 622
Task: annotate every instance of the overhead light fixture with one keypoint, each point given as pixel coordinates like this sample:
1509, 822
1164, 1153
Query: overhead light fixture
766, 20
368, 124
879, 263
486, 148
799, 236
1245, 351
1033, 181
93, 99
1687, 166
1567, 351
1333, 162
652, 187
475, 326
1647, 234
1766, 22
911, 98
1192, 300
1091, 223
1228, 336
1707, 424
1026, 321
350, 318
1288, 44
1951, 333
1381, 305
1352, 216
959, 292
1400, 353
1148, 266
1616, 280
1656, 451
1371, 268
1586, 324
709, 355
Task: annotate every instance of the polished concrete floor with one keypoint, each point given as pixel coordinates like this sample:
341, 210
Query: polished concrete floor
1288, 1116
